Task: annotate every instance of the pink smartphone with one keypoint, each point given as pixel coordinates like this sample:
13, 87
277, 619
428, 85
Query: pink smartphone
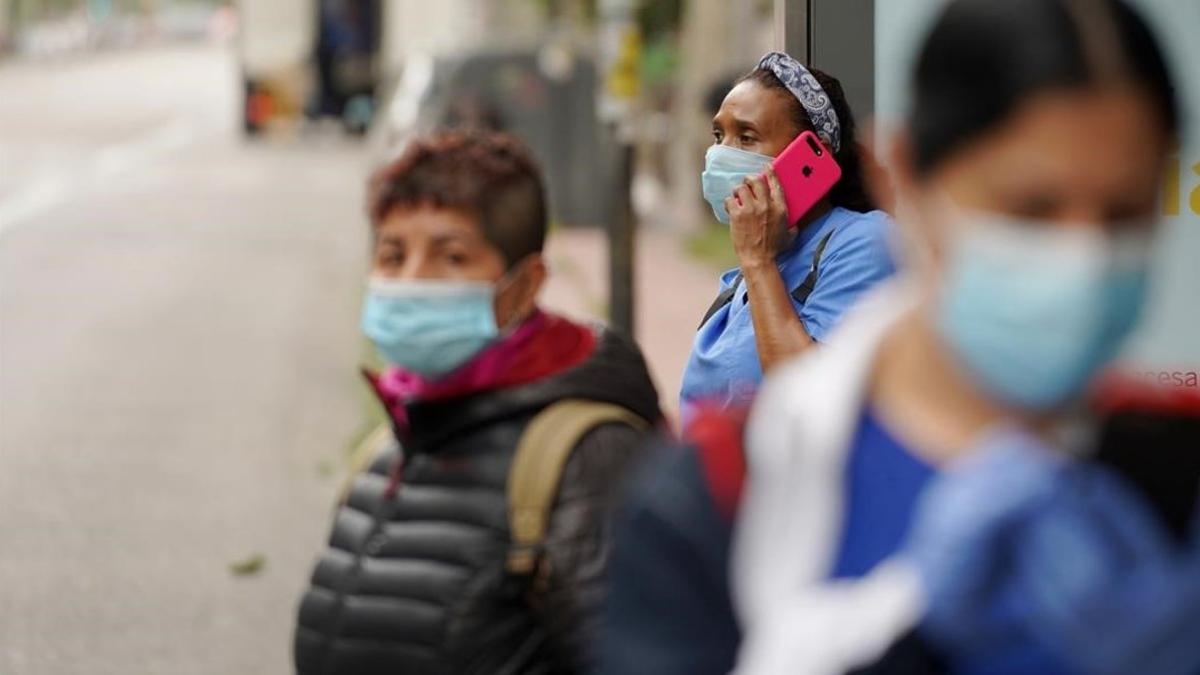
807, 172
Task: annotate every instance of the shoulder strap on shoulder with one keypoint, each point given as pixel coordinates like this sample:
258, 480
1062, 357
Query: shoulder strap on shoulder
800, 294
364, 453
724, 298
806, 287
537, 467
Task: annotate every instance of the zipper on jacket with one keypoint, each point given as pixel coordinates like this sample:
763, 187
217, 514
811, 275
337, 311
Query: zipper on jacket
371, 546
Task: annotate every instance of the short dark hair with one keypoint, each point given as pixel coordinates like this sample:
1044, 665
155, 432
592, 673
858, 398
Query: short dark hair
850, 192
489, 175
983, 58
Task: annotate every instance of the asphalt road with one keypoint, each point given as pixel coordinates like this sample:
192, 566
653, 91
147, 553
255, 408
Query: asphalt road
177, 351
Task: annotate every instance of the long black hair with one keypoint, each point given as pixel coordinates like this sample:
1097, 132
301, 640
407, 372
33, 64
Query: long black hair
983, 58
850, 192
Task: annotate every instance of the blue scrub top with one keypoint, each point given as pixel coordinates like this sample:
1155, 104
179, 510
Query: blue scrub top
883, 482
723, 368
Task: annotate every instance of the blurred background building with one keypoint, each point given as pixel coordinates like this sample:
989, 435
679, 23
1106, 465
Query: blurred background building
406, 65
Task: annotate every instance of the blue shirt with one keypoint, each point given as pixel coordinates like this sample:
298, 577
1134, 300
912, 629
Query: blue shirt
723, 367
669, 611
883, 481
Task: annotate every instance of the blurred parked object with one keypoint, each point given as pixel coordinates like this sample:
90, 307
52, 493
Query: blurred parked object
341, 55
275, 40
346, 59
556, 117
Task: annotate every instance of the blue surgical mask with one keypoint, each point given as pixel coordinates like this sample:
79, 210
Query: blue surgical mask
429, 327
1034, 310
724, 169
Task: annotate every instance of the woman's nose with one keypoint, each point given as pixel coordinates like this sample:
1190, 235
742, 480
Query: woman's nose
416, 268
1083, 215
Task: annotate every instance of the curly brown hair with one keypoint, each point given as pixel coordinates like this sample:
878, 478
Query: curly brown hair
490, 176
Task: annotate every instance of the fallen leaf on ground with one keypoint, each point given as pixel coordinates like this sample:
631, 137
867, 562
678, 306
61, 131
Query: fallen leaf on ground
249, 566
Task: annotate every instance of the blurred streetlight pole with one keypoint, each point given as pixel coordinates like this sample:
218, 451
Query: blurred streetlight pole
837, 37
620, 50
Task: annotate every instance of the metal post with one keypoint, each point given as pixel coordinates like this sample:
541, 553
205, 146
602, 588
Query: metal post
791, 28
621, 246
841, 41
620, 48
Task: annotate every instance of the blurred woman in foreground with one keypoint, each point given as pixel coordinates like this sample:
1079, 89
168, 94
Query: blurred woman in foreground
910, 499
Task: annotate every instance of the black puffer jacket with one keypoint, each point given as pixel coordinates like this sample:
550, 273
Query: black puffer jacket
415, 582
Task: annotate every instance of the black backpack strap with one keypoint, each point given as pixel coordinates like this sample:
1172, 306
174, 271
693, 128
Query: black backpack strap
800, 294
806, 287
723, 299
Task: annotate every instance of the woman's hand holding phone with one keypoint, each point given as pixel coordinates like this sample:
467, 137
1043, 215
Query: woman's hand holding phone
757, 219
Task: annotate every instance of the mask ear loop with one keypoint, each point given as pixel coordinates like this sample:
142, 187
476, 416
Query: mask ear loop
503, 284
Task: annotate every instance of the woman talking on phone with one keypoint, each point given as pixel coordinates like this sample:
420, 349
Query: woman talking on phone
797, 272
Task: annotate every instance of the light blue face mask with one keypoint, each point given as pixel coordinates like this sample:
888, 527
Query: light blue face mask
429, 327
1034, 310
724, 169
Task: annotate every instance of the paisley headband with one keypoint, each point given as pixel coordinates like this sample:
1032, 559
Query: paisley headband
804, 86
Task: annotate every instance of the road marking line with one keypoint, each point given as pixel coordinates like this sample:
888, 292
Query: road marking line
33, 200
52, 190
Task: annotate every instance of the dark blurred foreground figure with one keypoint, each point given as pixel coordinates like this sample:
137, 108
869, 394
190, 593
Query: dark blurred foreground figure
915, 499
475, 544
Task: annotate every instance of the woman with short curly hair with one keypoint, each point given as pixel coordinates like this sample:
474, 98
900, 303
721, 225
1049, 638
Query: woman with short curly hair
424, 572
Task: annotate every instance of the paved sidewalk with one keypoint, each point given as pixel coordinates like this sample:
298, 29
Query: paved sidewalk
673, 291
178, 345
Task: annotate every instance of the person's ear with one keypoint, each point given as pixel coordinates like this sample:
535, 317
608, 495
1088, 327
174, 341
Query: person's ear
532, 278
518, 298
